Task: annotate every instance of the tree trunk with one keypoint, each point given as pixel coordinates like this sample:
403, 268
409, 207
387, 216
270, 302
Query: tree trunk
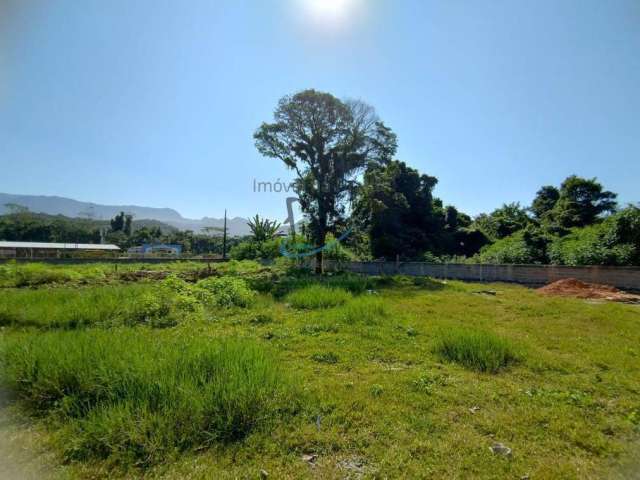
319, 262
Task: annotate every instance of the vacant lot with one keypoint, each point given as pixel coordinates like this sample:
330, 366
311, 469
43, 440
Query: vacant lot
243, 371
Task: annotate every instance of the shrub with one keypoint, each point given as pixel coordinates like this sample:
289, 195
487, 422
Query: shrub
615, 241
249, 250
225, 292
512, 249
151, 308
253, 250
476, 350
317, 296
133, 398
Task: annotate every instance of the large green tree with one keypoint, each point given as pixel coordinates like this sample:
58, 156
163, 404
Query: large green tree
396, 210
582, 201
503, 221
545, 201
327, 142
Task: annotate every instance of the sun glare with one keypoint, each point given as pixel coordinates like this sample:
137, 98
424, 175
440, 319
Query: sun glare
329, 11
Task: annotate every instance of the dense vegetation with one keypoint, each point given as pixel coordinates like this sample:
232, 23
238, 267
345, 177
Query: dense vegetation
181, 371
347, 180
122, 230
564, 226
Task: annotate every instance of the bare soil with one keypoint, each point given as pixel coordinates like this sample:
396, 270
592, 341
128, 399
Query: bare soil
571, 287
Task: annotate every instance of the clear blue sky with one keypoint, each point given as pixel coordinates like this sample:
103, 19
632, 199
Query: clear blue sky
155, 102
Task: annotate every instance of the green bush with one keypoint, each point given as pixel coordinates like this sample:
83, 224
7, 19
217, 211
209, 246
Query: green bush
253, 250
317, 296
476, 350
512, 249
225, 291
136, 398
615, 241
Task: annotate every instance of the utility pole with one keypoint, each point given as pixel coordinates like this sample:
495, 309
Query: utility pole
224, 237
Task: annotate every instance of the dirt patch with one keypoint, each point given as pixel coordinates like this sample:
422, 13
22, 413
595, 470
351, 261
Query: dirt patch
22, 452
189, 276
571, 287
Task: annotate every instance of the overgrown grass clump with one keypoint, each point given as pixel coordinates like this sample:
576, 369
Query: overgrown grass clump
353, 283
78, 307
318, 296
162, 304
135, 398
477, 350
13, 274
365, 309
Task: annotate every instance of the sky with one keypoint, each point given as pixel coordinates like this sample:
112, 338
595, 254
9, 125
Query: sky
154, 102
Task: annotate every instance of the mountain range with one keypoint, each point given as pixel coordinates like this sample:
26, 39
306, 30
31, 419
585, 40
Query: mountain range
54, 205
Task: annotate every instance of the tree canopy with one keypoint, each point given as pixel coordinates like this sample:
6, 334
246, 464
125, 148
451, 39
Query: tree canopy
327, 142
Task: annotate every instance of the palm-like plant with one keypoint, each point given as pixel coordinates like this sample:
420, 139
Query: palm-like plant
263, 229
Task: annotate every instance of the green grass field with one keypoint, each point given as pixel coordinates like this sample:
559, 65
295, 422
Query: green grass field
335, 377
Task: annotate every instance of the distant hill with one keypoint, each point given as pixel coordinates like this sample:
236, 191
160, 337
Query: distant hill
54, 205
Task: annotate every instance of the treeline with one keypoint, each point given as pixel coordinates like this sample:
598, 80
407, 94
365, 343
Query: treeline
122, 230
348, 180
578, 223
395, 215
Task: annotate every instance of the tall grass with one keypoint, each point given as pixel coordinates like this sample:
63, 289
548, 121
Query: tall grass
14, 274
71, 307
476, 350
134, 398
365, 309
352, 283
100, 306
33, 274
317, 296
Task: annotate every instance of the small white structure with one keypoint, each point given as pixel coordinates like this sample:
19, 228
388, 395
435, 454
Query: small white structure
48, 250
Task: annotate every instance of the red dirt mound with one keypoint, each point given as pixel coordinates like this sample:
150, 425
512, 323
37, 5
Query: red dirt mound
571, 287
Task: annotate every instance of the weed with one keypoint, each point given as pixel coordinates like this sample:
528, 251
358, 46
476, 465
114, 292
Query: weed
325, 357
428, 383
225, 292
316, 329
261, 319
364, 309
376, 390
476, 350
318, 296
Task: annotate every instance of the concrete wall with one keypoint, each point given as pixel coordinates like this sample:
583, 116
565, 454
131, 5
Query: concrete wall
627, 278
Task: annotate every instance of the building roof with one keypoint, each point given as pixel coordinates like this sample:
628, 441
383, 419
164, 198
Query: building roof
59, 246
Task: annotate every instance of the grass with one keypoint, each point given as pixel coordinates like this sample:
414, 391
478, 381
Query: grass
69, 308
317, 296
476, 350
17, 275
366, 385
365, 309
132, 398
